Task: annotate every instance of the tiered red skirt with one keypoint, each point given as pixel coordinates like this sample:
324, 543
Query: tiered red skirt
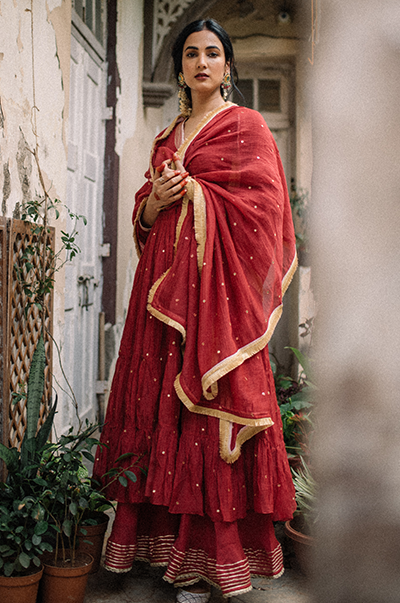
188, 510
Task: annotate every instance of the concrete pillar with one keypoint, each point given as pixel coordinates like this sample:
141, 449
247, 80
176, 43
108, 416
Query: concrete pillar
355, 92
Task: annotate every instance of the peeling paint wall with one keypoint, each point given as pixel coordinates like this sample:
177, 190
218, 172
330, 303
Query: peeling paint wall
25, 83
34, 77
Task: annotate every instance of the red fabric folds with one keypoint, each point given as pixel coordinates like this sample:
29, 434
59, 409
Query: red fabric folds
228, 313
193, 399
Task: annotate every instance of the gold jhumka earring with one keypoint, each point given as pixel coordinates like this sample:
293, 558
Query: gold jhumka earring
226, 85
184, 103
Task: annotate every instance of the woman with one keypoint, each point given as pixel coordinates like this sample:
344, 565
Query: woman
193, 397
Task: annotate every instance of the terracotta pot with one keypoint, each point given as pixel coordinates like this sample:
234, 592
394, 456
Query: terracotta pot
64, 582
301, 542
95, 535
20, 589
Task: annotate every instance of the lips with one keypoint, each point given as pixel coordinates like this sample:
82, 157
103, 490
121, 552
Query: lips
201, 76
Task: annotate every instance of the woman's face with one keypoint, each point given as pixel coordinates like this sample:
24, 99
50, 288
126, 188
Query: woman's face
203, 62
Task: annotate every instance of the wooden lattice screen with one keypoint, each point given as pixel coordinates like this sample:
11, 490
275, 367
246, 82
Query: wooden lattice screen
19, 328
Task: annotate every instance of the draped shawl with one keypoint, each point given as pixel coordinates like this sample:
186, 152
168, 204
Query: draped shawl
234, 257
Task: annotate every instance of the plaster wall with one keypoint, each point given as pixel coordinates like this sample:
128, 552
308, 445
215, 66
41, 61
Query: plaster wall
137, 128
34, 86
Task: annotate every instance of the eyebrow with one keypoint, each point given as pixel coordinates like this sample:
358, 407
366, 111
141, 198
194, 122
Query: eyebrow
196, 47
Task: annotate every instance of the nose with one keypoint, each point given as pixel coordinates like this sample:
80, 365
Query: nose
201, 61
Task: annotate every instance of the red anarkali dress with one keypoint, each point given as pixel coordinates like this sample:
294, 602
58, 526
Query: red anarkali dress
193, 395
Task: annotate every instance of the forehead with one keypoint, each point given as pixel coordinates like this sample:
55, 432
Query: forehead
203, 39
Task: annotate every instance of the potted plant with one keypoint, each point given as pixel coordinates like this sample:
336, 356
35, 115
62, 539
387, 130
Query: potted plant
300, 528
67, 492
22, 514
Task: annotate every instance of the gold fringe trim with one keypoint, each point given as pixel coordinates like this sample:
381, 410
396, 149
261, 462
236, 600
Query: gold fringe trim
225, 439
186, 580
215, 412
182, 216
117, 571
156, 313
228, 364
200, 223
287, 279
137, 218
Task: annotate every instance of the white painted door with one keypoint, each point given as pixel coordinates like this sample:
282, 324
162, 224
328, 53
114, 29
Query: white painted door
85, 191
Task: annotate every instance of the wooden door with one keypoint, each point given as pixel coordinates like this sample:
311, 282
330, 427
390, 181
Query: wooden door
83, 288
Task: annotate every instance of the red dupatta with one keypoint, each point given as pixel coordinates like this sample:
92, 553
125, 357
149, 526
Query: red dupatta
235, 256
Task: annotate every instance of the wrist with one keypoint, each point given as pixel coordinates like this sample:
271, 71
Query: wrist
149, 214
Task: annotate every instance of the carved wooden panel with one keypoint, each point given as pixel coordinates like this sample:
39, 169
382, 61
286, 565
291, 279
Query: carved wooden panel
20, 325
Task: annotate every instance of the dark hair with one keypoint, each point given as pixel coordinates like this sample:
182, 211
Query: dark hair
214, 27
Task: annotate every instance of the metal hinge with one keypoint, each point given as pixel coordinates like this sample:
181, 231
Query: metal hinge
105, 250
101, 387
107, 113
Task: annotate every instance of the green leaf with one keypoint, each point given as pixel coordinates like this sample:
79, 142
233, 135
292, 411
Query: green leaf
36, 540
88, 455
41, 528
45, 430
127, 455
130, 475
123, 481
9, 568
35, 389
4, 548
303, 361
67, 527
24, 560
73, 507
40, 481
10, 456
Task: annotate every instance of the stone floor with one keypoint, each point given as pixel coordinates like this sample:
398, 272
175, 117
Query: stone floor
144, 584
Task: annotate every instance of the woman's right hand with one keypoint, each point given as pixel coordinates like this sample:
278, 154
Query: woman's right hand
168, 187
